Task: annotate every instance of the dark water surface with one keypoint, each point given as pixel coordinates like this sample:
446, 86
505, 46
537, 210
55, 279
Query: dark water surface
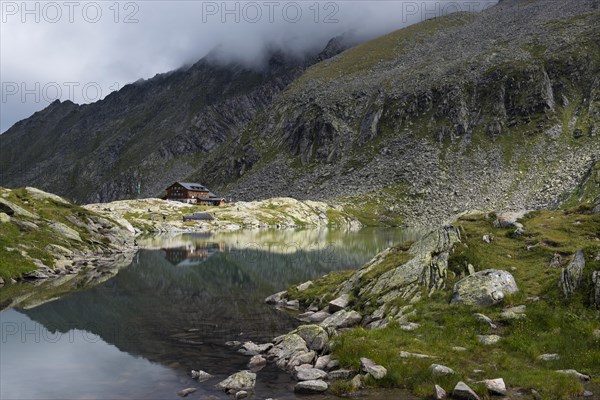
138, 335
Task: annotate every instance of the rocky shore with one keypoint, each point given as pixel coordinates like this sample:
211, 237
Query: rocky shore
161, 216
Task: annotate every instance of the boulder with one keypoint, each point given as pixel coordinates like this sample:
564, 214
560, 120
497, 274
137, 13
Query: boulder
582, 377
308, 387
339, 374
570, 277
370, 367
243, 380
292, 305
309, 374
301, 357
342, 319
322, 362
252, 349
437, 369
319, 316
316, 337
287, 346
201, 375
4, 218
276, 298
484, 288
242, 394
340, 303
463, 392
257, 361
495, 386
439, 393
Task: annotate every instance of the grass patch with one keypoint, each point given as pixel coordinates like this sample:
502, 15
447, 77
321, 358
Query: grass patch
323, 289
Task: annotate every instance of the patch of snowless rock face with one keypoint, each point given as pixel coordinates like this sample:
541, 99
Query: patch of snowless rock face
484, 288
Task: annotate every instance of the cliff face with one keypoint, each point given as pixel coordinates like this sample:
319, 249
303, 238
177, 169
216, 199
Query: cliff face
152, 132
493, 110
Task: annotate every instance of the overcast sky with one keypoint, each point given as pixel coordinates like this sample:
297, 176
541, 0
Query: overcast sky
83, 50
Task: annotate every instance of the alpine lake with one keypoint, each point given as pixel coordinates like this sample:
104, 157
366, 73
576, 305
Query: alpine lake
140, 332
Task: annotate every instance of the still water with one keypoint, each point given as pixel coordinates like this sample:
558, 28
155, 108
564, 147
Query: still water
138, 334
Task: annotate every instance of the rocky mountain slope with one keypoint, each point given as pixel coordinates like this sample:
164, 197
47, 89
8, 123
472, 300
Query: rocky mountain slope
497, 110
150, 132
493, 110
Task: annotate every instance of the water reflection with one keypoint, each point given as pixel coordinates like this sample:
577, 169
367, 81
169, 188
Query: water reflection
177, 304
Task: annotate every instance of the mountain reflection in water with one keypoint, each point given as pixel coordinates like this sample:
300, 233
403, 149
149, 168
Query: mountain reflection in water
183, 297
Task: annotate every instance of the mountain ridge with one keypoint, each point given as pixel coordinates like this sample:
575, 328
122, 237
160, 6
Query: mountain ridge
493, 110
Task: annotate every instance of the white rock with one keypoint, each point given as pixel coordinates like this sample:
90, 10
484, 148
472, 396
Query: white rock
243, 380
495, 386
302, 287
370, 367
322, 362
439, 393
438, 369
309, 374
582, 377
316, 386
342, 319
463, 392
340, 303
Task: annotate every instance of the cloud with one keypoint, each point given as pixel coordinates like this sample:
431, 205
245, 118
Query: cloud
81, 51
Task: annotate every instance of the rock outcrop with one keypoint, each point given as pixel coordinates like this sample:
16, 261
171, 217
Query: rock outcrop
570, 277
61, 238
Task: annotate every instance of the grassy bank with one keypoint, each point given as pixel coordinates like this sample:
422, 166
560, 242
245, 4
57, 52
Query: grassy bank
550, 323
39, 230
